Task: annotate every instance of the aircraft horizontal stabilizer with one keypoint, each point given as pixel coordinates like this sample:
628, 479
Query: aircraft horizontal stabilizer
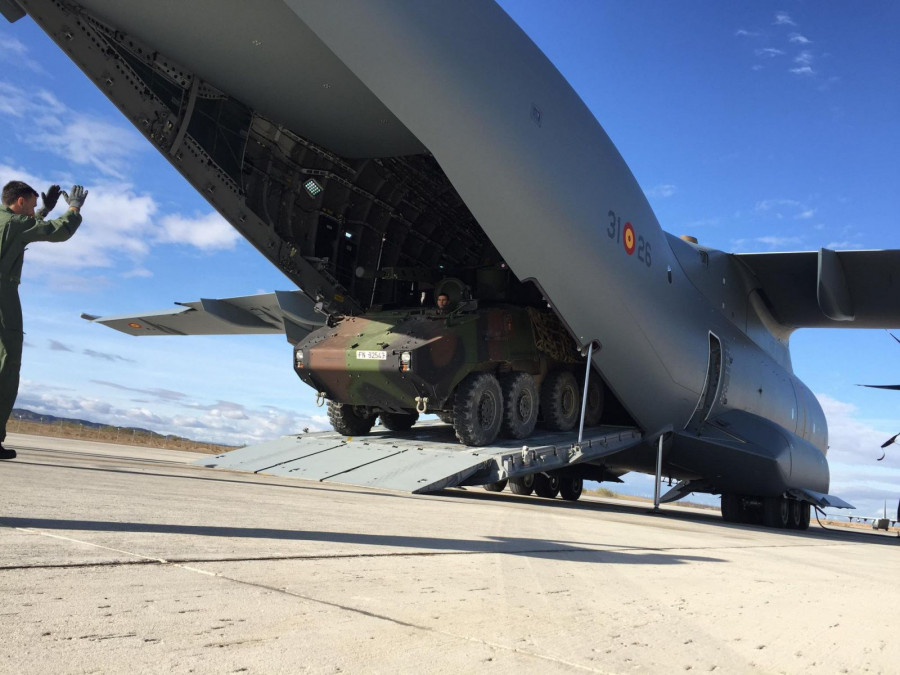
829, 289
820, 499
288, 312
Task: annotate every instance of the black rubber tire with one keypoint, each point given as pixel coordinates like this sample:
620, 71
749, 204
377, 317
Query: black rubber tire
478, 409
520, 405
349, 420
497, 486
732, 508
799, 515
596, 395
560, 401
776, 512
522, 486
445, 417
570, 487
546, 485
399, 421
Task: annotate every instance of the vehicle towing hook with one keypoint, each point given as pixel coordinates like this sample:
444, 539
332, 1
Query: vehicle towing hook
421, 404
320, 399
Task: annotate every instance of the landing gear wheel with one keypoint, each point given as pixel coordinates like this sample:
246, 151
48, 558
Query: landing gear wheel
477, 409
570, 487
520, 405
522, 486
546, 485
560, 401
732, 508
776, 512
497, 486
596, 394
350, 420
399, 421
799, 515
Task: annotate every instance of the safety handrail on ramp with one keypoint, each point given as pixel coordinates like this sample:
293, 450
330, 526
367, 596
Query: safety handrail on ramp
425, 459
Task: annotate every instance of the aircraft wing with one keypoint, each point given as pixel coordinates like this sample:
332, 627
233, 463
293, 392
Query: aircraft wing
829, 289
289, 312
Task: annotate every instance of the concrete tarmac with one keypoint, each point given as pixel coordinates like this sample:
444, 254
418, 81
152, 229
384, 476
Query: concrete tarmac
125, 559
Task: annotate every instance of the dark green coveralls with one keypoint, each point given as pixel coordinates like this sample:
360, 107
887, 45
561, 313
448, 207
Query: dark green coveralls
16, 231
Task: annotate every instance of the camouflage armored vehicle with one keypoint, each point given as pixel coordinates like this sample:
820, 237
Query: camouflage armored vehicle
488, 370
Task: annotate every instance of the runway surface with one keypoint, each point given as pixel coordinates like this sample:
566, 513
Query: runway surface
118, 558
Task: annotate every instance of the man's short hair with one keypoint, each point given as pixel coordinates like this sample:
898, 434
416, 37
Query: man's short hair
15, 189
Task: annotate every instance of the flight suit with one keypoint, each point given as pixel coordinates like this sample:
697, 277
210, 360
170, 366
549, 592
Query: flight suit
16, 231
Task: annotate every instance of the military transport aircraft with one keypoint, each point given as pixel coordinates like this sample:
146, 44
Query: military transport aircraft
369, 148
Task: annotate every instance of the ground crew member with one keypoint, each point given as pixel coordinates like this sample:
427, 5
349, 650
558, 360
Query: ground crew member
19, 226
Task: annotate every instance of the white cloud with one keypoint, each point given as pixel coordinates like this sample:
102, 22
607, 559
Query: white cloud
662, 190
804, 58
805, 70
207, 232
740, 32
225, 422
796, 38
783, 19
854, 449
768, 52
41, 121
805, 215
86, 141
776, 241
16, 52
769, 204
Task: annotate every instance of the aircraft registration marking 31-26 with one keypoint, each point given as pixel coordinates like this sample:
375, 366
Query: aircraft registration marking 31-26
629, 238
371, 355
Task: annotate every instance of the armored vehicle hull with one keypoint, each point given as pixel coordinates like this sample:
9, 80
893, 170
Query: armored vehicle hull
490, 371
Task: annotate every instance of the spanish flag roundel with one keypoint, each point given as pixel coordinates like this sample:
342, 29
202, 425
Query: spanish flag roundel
628, 237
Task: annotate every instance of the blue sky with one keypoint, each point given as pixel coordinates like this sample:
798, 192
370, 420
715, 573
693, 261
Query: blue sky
754, 127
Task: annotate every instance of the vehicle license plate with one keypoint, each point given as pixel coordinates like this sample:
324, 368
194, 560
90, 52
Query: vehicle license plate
371, 356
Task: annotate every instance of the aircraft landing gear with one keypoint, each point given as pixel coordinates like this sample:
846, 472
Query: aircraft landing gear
775, 512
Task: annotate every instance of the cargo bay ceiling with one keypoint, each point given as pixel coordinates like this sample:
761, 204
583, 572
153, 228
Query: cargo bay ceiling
250, 106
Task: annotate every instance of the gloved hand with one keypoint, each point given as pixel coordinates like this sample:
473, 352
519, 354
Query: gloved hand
76, 199
49, 198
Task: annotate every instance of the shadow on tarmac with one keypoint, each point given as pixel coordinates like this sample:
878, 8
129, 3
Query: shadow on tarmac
536, 548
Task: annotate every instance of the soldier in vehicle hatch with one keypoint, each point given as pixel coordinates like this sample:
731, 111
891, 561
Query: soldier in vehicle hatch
19, 226
443, 303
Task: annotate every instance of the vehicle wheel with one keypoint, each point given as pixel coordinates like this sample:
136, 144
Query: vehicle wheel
776, 512
445, 417
350, 420
799, 515
570, 487
497, 486
399, 421
520, 405
546, 485
560, 401
732, 508
596, 394
522, 486
477, 409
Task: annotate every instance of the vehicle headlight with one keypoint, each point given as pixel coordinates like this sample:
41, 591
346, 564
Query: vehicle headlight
405, 359
298, 358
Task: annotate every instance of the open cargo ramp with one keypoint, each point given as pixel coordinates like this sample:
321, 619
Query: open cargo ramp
425, 459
